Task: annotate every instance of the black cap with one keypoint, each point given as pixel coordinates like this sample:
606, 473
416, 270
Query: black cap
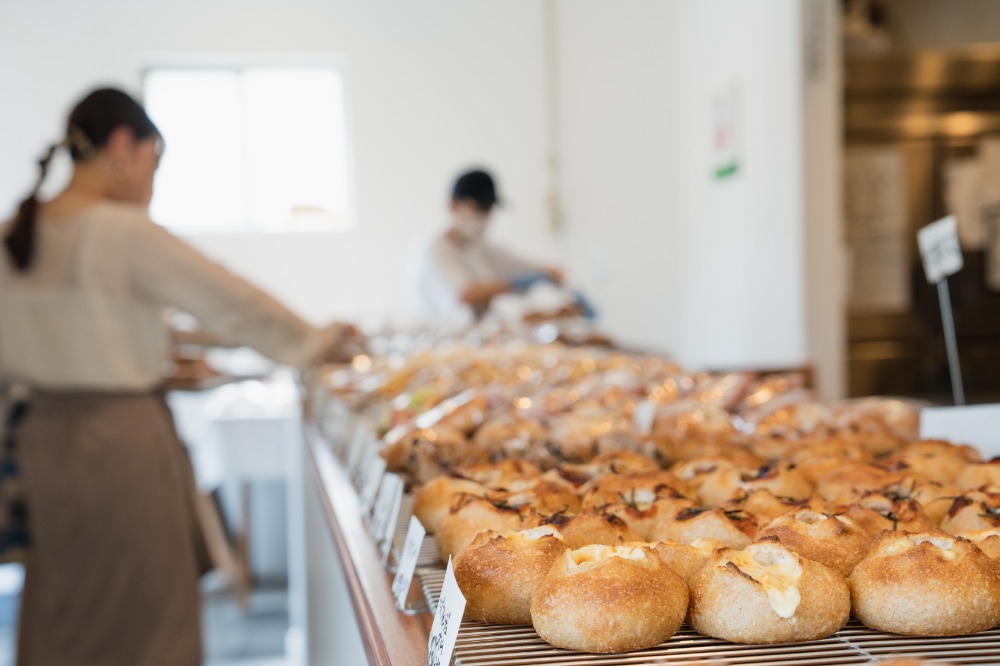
478, 186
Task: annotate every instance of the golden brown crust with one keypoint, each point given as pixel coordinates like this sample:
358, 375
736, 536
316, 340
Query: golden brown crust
934, 459
498, 575
684, 559
764, 506
729, 604
432, 501
617, 462
848, 482
733, 528
835, 541
875, 512
613, 488
978, 475
614, 605
585, 529
973, 511
926, 584
471, 515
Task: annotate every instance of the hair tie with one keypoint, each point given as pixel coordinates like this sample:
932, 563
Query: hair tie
80, 142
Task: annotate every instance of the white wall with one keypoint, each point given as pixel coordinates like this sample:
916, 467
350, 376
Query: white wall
713, 270
435, 86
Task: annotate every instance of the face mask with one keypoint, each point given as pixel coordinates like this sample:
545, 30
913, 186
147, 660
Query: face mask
470, 226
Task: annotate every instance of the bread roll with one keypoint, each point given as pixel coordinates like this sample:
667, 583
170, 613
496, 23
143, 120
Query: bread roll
926, 584
607, 599
767, 594
498, 573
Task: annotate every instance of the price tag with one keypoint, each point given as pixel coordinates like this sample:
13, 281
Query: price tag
390, 492
447, 619
374, 471
643, 416
356, 452
939, 249
975, 425
389, 527
415, 533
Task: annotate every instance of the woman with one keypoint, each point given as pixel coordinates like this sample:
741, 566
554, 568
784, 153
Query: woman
85, 281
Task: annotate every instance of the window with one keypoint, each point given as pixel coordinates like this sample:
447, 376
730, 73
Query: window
250, 149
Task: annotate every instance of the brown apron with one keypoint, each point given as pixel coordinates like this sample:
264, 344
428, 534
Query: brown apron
115, 553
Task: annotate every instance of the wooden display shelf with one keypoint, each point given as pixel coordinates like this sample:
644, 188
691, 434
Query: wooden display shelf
390, 638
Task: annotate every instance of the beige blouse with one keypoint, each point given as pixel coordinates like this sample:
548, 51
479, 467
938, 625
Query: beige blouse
90, 312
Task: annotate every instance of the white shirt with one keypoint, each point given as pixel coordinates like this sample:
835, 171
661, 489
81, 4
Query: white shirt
90, 312
447, 268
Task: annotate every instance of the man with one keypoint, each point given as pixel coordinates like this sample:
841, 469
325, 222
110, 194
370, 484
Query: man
460, 271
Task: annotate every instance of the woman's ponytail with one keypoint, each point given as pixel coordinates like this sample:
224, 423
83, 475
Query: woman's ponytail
20, 240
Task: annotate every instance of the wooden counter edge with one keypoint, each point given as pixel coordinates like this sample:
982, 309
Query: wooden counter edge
390, 638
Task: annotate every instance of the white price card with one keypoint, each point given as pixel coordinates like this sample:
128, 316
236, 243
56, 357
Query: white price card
978, 425
643, 417
370, 482
383, 504
360, 443
389, 526
415, 533
939, 249
447, 619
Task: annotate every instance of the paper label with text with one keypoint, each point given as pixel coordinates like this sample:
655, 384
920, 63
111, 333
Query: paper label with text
939, 249
415, 534
447, 619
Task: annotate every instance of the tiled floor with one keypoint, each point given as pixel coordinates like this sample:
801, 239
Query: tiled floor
232, 637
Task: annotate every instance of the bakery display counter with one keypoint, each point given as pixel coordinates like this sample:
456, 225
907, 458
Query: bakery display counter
525, 441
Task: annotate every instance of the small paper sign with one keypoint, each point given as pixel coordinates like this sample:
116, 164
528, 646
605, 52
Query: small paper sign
939, 249
360, 443
643, 416
389, 527
415, 533
390, 492
372, 479
447, 619
978, 425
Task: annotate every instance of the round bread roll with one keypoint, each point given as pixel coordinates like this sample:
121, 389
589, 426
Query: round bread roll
934, 459
617, 462
987, 541
978, 475
849, 481
973, 511
686, 558
498, 573
505, 474
607, 599
934, 498
585, 529
470, 515
432, 501
767, 594
645, 513
819, 457
835, 541
613, 488
764, 506
926, 584
875, 512
733, 528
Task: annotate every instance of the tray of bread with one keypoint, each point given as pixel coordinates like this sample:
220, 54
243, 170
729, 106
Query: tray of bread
610, 508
